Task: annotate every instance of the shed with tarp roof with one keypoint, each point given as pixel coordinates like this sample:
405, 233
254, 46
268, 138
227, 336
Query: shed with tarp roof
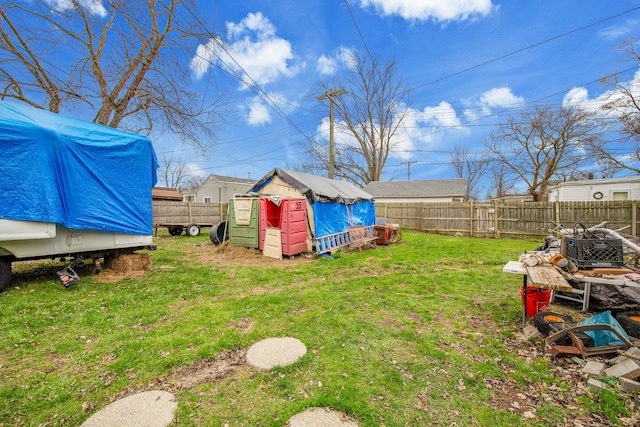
332, 206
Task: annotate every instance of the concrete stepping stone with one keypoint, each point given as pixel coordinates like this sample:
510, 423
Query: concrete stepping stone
147, 409
321, 417
272, 352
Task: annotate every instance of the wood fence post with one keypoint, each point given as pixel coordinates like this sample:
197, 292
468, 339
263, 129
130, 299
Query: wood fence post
634, 219
556, 208
495, 220
470, 219
189, 207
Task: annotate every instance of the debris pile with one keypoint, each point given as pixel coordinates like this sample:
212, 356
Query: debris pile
598, 335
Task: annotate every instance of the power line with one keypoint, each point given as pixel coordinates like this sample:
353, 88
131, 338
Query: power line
355, 23
482, 64
254, 86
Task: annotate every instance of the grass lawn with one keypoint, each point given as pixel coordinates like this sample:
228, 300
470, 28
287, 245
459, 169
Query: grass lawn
419, 333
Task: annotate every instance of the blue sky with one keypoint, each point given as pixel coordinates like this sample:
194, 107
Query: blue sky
470, 63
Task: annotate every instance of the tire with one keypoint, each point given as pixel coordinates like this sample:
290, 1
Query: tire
219, 233
175, 231
5, 273
192, 230
630, 322
543, 320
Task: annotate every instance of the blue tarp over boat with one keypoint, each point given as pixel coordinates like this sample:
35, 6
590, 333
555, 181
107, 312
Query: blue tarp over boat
81, 175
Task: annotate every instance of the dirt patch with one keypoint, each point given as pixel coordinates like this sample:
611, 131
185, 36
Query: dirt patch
322, 417
228, 253
241, 325
125, 266
507, 396
204, 371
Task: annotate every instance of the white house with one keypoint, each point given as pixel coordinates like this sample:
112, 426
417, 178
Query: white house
219, 188
441, 190
627, 188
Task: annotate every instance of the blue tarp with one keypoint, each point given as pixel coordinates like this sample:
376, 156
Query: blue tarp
603, 338
81, 175
332, 218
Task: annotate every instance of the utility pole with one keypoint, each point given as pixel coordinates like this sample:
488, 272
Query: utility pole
330, 95
408, 163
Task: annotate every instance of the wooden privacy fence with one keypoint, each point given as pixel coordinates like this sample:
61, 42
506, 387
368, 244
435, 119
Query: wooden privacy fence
522, 220
204, 214
528, 220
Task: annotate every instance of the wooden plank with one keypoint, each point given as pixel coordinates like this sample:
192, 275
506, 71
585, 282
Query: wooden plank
547, 277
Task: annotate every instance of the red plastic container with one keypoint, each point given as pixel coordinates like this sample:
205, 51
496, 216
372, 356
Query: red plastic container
383, 232
291, 218
537, 300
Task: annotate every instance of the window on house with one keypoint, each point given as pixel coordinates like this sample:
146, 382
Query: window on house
620, 195
207, 199
189, 198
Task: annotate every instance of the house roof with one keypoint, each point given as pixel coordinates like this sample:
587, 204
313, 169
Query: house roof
316, 188
231, 179
622, 180
421, 188
163, 193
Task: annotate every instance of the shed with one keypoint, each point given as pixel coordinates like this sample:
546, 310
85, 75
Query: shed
440, 190
627, 188
166, 194
332, 206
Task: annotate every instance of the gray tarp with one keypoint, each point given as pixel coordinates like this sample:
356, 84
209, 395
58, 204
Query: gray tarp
316, 188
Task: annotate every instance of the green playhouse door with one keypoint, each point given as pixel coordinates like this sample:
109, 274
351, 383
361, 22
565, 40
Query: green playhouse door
243, 221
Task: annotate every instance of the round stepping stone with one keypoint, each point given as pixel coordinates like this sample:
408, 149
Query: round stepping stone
272, 352
321, 417
147, 409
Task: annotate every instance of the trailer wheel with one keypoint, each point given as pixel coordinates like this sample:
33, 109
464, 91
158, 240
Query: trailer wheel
192, 230
5, 273
175, 231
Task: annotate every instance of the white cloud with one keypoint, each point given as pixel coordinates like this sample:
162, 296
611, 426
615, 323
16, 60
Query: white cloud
204, 57
438, 10
252, 51
419, 128
425, 128
618, 32
94, 7
326, 65
329, 65
258, 113
496, 98
579, 97
259, 110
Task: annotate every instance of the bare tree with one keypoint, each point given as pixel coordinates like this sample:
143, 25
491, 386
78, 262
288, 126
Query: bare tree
624, 105
193, 183
501, 180
540, 145
172, 173
368, 118
471, 167
125, 62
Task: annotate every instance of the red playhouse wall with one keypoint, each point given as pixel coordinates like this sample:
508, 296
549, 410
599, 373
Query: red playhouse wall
291, 218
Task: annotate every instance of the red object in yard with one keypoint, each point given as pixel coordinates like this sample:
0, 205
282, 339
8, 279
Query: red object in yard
384, 233
290, 217
537, 300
